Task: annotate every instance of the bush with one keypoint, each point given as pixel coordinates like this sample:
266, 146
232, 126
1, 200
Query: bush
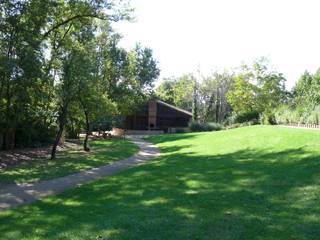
205, 127
238, 125
314, 116
34, 134
181, 130
268, 118
285, 115
252, 116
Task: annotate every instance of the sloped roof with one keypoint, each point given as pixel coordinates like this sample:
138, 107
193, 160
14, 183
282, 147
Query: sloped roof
174, 107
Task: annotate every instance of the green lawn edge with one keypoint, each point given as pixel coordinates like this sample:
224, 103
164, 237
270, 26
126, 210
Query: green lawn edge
68, 162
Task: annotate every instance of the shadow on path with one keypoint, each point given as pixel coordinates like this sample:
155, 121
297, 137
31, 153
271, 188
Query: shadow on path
18, 194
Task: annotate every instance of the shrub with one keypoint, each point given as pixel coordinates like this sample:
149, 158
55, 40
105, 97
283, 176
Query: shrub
268, 118
204, 127
314, 116
212, 126
285, 115
251, 116
181, 130
238, 125
34, 134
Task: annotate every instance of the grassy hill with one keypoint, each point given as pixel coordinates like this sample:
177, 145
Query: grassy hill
259, 182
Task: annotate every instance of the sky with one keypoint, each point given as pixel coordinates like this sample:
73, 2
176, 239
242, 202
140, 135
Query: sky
219, 34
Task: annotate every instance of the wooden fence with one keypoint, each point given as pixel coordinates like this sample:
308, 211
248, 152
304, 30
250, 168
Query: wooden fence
302, 125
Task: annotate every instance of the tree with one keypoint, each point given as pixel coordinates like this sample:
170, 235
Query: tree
74, 73
242, 97
165, 91
22, 89
258, 88
32, 38
178, 91
213, 94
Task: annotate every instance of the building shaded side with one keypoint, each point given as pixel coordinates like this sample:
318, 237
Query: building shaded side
157, 115
138, 120
170, 118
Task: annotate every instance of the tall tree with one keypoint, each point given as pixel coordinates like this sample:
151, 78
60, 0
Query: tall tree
81, 26
214, 91
258, 88
178, 91
242, 98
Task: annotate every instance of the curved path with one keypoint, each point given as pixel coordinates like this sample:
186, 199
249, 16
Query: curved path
18, 194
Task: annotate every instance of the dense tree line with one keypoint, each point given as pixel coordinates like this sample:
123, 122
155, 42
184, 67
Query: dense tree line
303, 104
250, 93
61, 69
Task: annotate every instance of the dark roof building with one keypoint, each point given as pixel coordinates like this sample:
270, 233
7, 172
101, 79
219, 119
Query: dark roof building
158, 115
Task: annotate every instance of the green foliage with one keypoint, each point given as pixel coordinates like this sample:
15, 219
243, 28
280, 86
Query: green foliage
182, 130
314, 116
257, 88
290, 115
304, 105
196, 126
268, 118
239, 125
214, 105
207, 97
178, 91
242, 97
252, 116
61, 67
306, 91
166, 91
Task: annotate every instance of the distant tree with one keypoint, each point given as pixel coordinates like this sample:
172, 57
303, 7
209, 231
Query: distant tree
178, 91
165, 91
302, 88
213, 95
242, 97
258, 88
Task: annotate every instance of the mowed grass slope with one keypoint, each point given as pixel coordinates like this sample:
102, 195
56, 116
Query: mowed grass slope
71, 161
258, 182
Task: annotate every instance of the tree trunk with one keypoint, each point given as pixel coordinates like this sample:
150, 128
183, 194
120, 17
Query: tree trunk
62, 122
85, 143
209, 109
8, 135
217, 105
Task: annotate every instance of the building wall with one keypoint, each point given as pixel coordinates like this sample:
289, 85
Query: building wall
171, 118
156, 116
152, 115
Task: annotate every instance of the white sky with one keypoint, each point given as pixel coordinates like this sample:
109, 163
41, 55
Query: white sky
218, 34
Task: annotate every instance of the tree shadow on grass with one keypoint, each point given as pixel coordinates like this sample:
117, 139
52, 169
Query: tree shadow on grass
102, 153
247, 194
171, 137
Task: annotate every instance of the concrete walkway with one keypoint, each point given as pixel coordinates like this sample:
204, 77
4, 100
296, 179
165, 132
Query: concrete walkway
18, 194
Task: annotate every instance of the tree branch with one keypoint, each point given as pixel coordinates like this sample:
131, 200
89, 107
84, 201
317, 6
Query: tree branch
46, 34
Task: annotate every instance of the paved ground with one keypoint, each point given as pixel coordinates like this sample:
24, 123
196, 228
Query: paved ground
18, 194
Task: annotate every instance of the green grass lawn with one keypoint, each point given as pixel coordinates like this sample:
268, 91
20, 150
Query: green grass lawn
259, 182
71, 161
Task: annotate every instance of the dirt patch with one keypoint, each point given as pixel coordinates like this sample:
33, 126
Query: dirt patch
18, 156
